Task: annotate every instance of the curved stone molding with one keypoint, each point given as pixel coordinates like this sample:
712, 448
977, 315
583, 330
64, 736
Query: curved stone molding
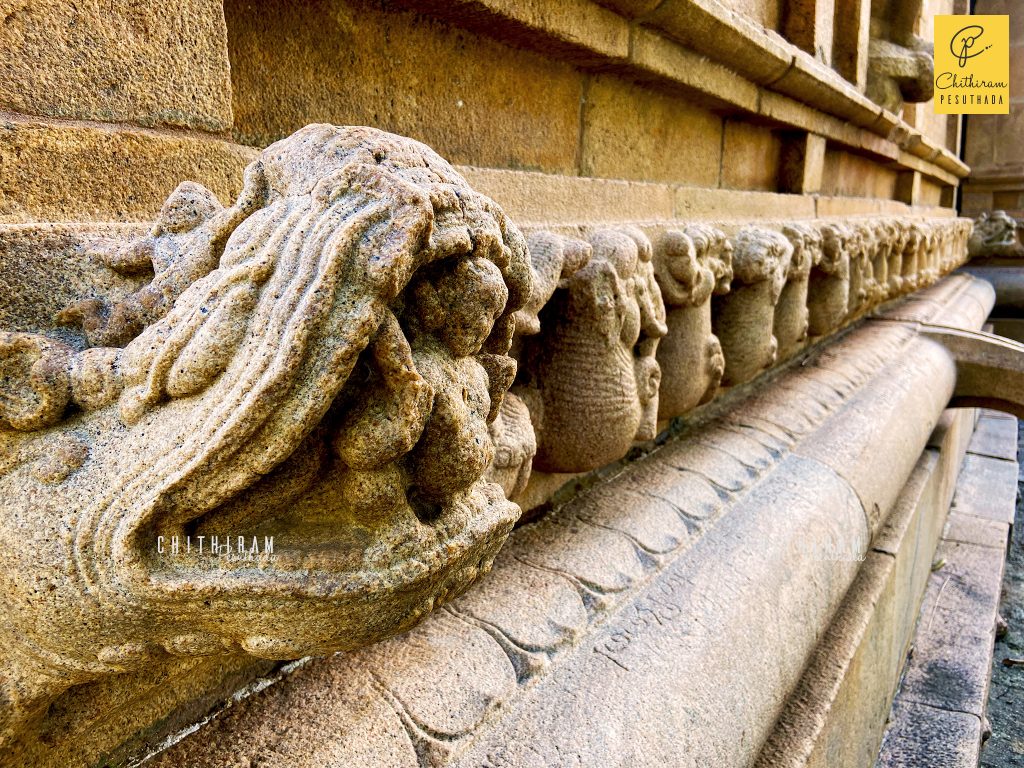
995, 234
989, 368
590, 377
744, 318
316, 364
690, 265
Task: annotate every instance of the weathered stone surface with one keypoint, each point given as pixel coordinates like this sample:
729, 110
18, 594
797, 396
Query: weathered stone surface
995, 437
163, 63
900, 64
969, 529
553, 260
792, 318
693, 270
850, 175
630, 132
1005, 701
690, 266
242, 401
354, 63
829, 287
922, 735
986, 489
751, 157
591, 377
801, 163
947, 676
711, 81
897, 74
743, 319
950, 668
836, 714
718, 553
995, 235
106, 174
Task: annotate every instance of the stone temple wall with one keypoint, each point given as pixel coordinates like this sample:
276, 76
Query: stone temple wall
669, 277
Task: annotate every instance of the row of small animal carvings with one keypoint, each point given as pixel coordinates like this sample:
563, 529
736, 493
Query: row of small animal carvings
324, 364
630, 326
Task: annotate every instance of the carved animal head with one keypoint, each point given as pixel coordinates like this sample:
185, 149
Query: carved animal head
327, 386
762, 255
807, 245
995, 234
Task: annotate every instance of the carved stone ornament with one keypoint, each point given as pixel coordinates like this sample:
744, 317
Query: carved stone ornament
995, 234
553, 260
900, 64
829, 292
590, 378
690, 265
744, 318
792, 318
317, 363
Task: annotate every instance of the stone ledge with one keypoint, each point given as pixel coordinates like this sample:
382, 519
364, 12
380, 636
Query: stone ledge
926, 736
987, 489
533, 198
938, 711
79, 160
724, 42
995, 437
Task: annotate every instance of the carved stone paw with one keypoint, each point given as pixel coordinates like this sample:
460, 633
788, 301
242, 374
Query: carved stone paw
35, 381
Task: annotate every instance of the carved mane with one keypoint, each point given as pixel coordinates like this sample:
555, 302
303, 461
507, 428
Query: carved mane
309, 374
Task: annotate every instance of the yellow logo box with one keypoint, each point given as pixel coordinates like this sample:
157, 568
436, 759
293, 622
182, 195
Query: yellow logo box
972, 65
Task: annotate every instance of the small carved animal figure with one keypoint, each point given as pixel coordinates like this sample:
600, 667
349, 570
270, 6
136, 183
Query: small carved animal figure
743, 319
591, 379
995, 234
690, 265
792, 318
828, 293
554, 259
184, 245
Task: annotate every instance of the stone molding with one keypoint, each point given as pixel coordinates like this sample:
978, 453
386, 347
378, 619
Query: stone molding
680, 574
341, 338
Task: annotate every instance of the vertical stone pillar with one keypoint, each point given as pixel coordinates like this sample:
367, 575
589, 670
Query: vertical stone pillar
801, 163
850, 46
